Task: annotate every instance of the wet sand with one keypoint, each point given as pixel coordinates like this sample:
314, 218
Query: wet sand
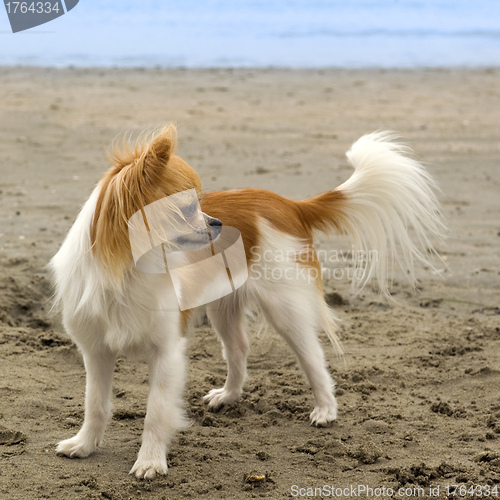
419, 403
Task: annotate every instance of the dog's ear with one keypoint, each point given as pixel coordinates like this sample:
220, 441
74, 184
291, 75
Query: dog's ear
144, 154
163, 145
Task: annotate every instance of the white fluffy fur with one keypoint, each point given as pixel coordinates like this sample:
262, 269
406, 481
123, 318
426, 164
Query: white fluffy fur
139, 317
286, 292
387, 194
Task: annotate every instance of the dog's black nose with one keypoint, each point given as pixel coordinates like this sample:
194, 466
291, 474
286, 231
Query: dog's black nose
212, 221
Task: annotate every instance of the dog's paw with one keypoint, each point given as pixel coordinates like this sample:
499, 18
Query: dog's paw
220, 397
323, 415
75, 447
149, 469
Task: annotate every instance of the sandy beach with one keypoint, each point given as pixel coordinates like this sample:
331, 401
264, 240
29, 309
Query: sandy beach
418, 389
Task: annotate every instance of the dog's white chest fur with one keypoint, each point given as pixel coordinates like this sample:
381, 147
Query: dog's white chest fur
95, 309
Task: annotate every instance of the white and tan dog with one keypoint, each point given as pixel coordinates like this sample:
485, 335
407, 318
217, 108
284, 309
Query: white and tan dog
110, 308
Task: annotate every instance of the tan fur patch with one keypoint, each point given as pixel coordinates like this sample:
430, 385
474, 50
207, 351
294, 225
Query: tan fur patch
243, 208
141, 174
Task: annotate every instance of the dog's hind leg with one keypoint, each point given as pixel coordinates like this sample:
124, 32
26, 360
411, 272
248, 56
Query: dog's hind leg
164, 414
226, 316
293, 313
99, 364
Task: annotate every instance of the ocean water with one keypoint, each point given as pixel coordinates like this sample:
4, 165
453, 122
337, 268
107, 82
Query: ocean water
263, 33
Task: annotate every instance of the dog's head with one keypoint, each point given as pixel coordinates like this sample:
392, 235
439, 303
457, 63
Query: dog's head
142, 174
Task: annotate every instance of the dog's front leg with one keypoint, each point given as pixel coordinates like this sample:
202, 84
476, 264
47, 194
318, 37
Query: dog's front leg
164, 411
99, 366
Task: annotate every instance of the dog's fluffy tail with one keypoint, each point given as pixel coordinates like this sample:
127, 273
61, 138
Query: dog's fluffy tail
387, 207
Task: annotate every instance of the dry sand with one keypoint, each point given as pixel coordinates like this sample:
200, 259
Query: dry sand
419, 400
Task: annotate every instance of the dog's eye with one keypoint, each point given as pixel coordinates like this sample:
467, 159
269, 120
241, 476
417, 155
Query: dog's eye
190, 210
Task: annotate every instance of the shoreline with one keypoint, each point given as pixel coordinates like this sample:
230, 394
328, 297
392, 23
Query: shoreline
160, 67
